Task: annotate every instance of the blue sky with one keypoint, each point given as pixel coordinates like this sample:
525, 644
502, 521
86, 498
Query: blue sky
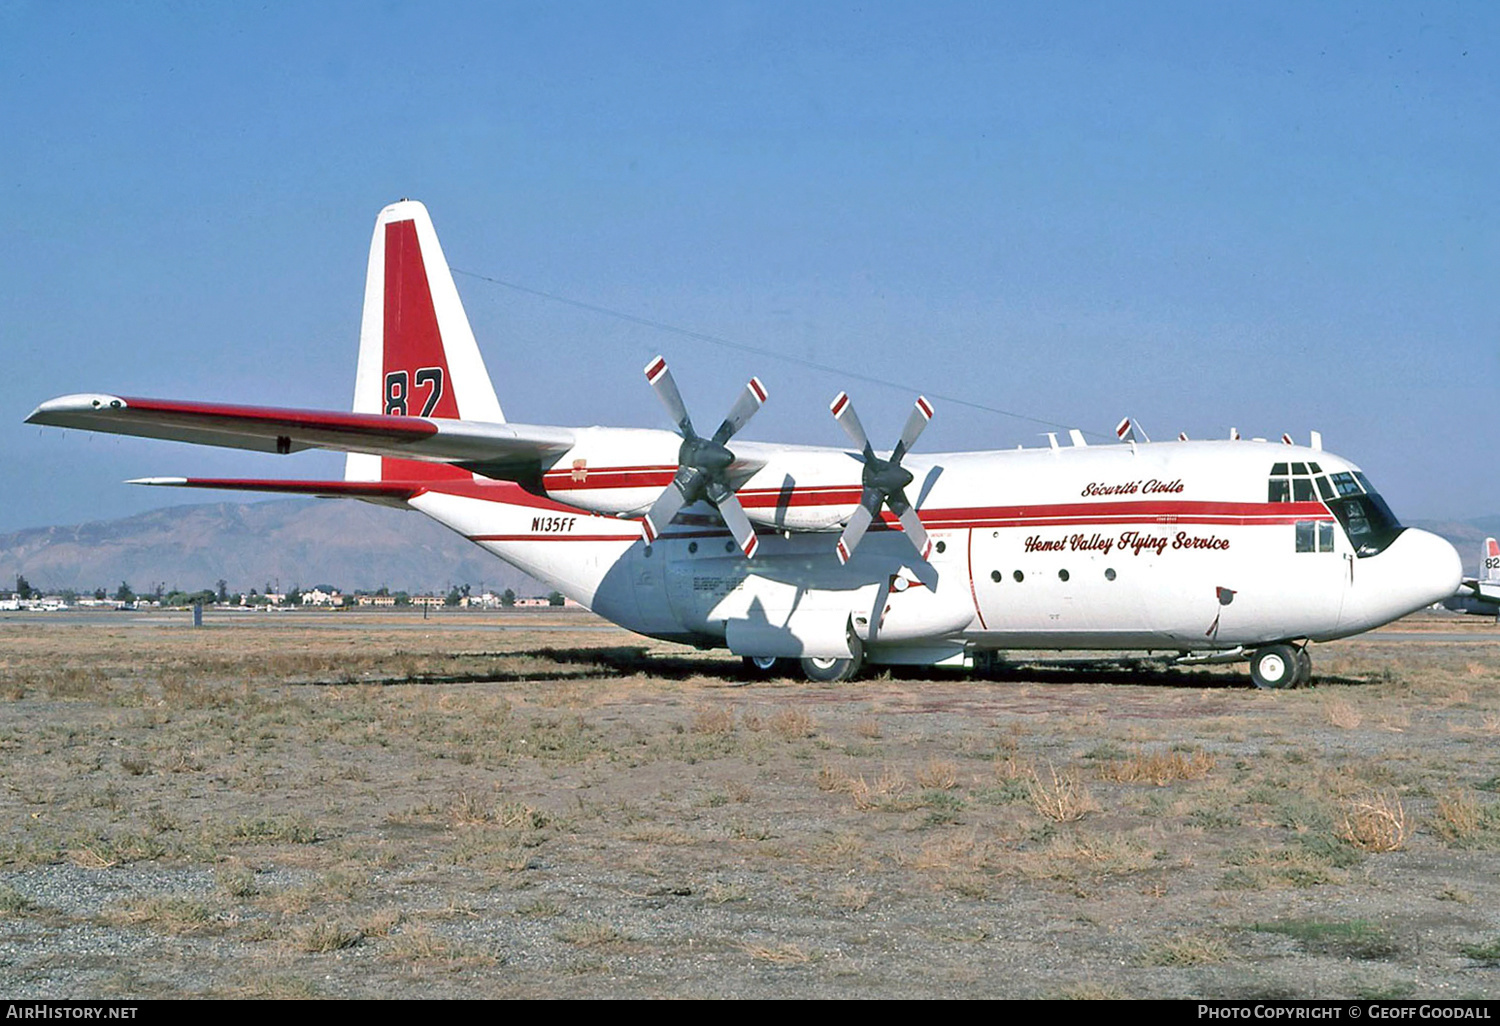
1272, 216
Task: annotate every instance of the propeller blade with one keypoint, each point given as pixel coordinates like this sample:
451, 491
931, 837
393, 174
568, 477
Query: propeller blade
666, 390
738, 524
859, 522
842, 408
912, 525
672, 498
750, 400
921, 413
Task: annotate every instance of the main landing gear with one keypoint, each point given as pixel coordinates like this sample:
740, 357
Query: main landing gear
1280, 666
817, 669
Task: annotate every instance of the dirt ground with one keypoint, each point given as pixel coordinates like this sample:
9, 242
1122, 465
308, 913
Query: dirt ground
540, 805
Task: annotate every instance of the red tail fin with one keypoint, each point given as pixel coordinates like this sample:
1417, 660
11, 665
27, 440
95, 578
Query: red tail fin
417, 355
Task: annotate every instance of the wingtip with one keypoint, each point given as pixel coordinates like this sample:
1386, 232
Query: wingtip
158, 481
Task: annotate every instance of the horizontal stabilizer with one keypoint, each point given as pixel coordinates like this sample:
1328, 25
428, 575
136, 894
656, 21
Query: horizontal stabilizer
507, 452
323, 489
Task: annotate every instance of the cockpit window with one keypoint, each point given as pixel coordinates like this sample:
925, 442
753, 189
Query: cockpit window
1294, 483
1345, 484
1368, 521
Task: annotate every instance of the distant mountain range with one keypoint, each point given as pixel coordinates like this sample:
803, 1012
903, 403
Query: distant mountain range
302, 542
307, 542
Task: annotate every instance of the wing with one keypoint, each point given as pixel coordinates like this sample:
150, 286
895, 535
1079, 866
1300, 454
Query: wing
505, 452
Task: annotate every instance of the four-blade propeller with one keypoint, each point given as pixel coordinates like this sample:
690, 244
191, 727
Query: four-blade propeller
702, 463
883, 481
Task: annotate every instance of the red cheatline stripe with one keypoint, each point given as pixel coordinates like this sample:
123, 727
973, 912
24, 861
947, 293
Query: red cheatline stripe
654, 369
758, 389
553, 537
924, 406
564, 481
839, 402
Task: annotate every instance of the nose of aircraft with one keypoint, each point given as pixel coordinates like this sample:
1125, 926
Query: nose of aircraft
1431, 565
1416, 570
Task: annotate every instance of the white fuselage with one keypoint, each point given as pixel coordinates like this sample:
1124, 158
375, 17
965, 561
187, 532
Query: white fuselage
1168, 546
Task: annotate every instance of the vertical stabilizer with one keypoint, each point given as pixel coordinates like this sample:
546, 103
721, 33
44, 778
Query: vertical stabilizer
1489, 563
417, 354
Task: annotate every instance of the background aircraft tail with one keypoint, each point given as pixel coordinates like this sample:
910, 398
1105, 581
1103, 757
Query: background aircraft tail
1489, 562
417, 354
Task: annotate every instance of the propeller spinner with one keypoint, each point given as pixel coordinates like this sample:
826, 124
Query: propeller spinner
883, 481
702, 463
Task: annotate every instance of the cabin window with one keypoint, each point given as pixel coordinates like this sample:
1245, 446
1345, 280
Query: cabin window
996, 576
1019, 576
1314, 535
1109, 574
1062, 575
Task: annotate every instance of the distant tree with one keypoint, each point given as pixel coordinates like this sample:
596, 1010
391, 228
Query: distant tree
403, 599
508, 597
123, 593
23, 587
69, 596
454, 598
294, 597
222, 587
100, 594
555, 598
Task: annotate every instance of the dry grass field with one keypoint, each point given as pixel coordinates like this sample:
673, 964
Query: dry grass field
538, 805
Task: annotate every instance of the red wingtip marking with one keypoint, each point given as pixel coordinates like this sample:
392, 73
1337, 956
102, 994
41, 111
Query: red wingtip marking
1287, 439
1122, 428
842, 551
648, 530
927, 550
654, 368
839, 402
758, 389
924, 406
751, 546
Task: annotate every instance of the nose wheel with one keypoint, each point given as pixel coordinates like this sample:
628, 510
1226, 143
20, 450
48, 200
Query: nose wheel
1274, 667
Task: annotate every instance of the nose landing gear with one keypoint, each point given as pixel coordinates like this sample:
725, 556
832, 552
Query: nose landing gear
1274, 667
